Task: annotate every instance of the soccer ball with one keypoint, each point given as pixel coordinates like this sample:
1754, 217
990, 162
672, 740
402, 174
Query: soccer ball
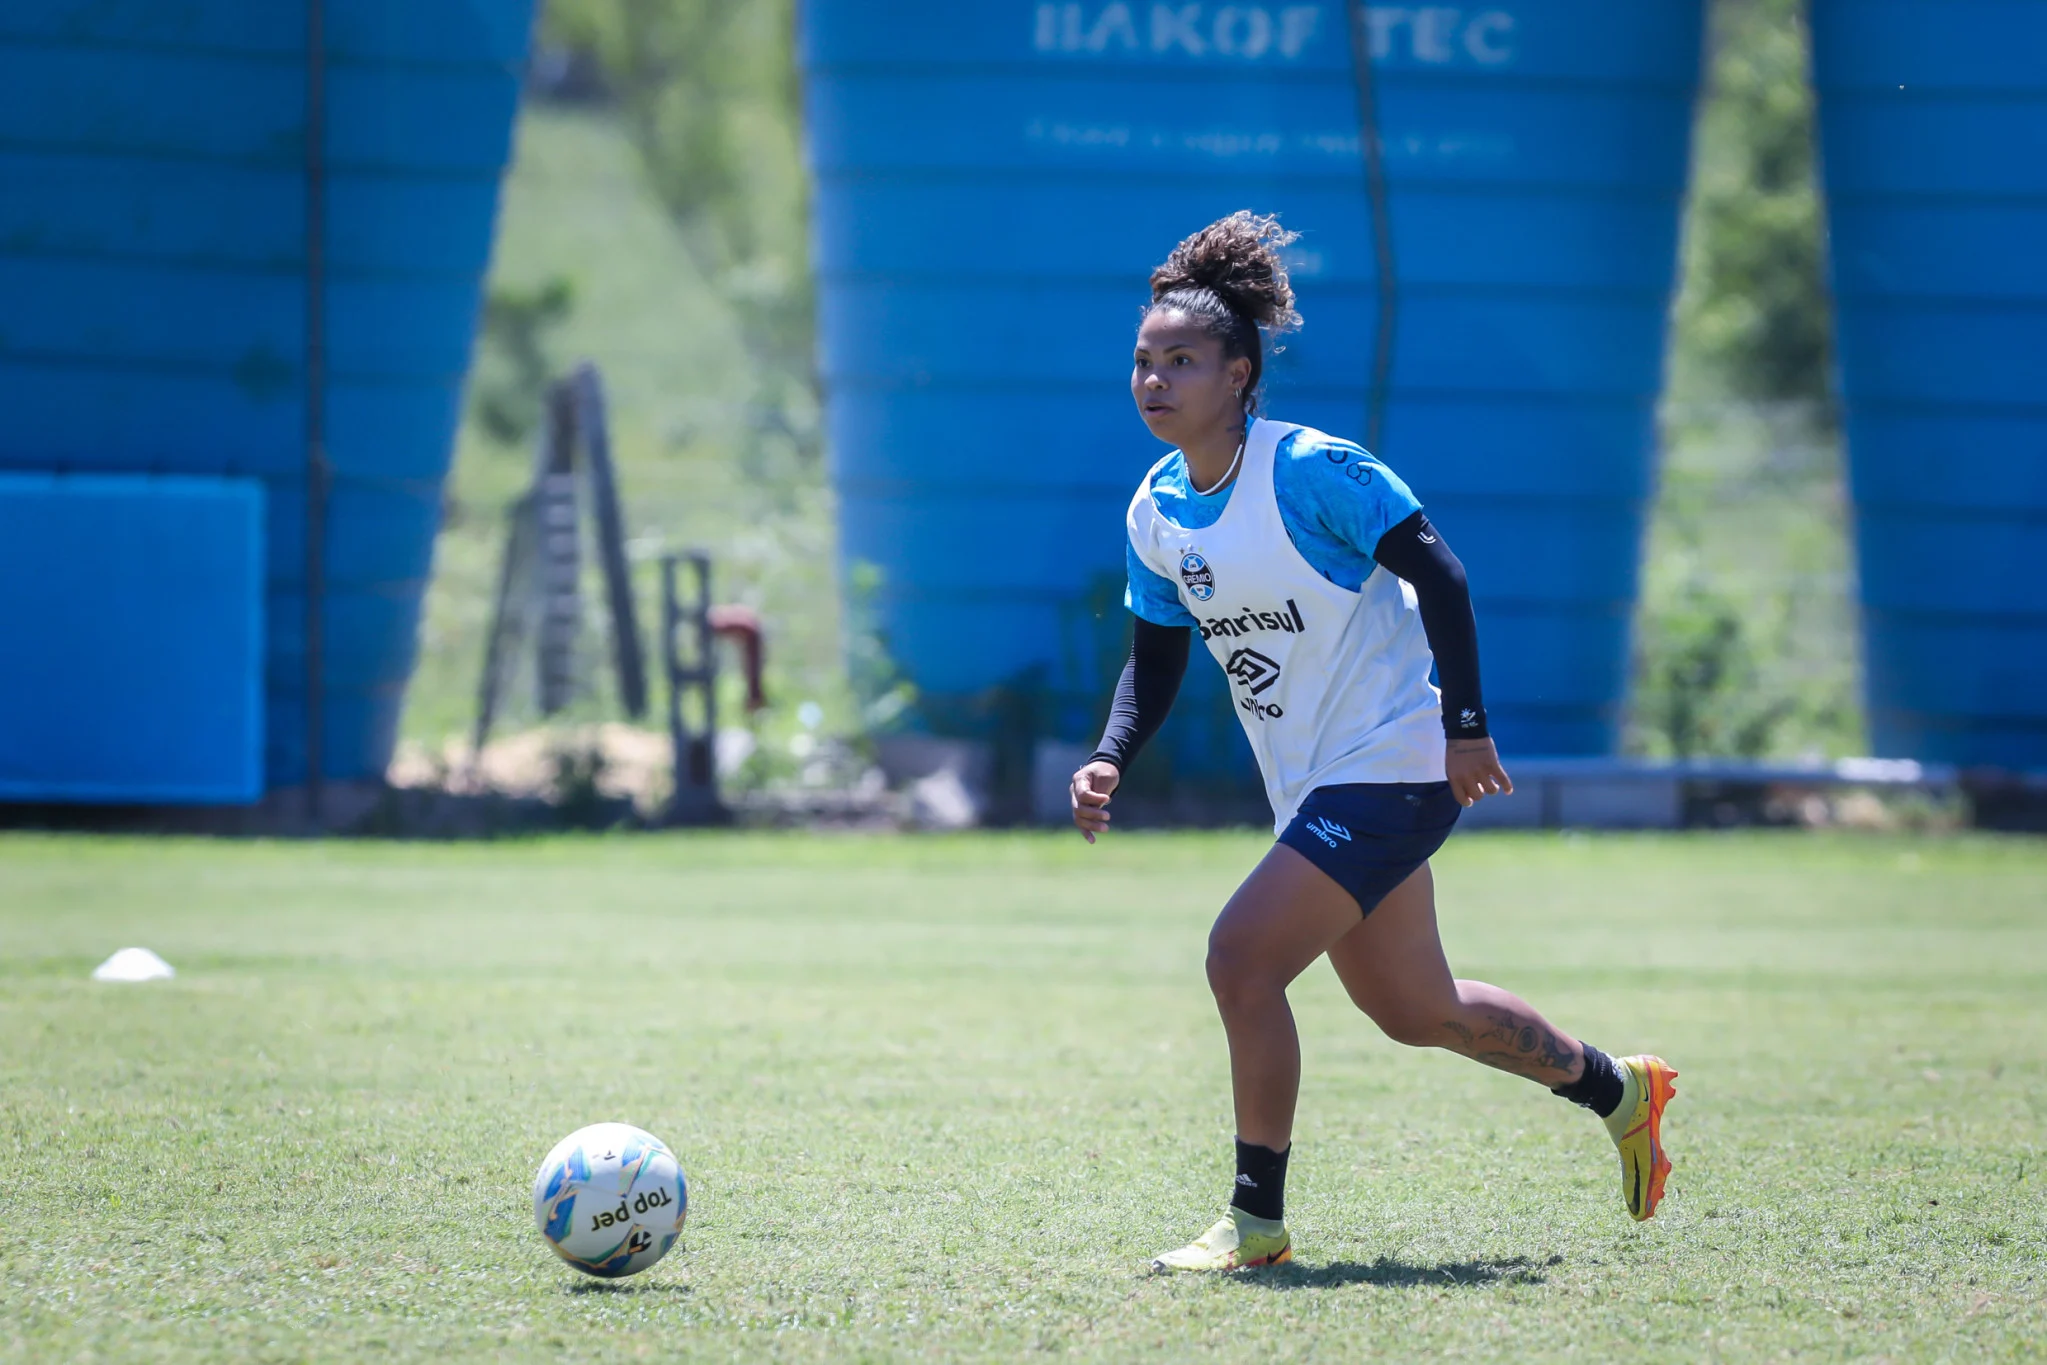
610, 1199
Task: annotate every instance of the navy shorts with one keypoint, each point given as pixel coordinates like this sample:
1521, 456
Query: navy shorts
1371, 836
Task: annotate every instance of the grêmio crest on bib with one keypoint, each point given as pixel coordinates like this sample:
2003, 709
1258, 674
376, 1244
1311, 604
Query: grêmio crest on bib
1199, 578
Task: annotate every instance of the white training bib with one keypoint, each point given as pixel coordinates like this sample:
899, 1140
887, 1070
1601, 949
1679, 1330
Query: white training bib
1331, 685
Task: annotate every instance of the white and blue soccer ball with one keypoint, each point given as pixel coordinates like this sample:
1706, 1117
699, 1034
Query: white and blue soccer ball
610, 1199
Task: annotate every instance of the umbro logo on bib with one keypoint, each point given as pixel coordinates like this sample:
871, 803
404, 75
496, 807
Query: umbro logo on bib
1255, 673
1199, 578
1252, 669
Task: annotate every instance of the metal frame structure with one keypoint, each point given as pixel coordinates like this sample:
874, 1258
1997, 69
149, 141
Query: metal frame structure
316, 466
1385, 283
689, 655
541, 573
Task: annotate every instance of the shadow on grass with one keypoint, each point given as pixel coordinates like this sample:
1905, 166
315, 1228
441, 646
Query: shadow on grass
1387, 1273
625, 1287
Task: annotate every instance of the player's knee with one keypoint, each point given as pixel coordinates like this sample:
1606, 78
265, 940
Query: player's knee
1234, 975
1415, 1030
1225, 973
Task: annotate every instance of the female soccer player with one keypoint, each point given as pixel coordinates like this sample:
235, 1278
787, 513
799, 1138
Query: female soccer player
1325, 595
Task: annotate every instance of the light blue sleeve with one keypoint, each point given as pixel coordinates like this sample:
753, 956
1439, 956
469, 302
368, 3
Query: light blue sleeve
1152, 596
1348, 495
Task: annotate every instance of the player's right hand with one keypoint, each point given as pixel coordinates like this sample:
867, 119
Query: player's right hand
1091, 789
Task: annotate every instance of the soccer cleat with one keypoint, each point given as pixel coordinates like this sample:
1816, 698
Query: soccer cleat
1237, 1242
1636, 1127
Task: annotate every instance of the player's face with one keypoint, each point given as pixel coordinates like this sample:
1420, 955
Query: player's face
1184, 388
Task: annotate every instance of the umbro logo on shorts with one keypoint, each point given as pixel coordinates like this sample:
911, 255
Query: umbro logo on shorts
1328, 831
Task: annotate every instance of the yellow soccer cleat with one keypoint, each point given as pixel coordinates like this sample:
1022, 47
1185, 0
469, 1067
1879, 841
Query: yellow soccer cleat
1238, 1242
1636, 1126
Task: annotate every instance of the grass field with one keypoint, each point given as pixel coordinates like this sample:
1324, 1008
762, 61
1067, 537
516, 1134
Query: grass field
943, 1097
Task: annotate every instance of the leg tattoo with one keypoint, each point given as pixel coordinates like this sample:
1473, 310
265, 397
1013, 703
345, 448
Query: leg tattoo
1524, 1046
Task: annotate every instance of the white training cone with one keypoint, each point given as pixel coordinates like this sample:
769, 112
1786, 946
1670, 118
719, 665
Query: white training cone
133, 964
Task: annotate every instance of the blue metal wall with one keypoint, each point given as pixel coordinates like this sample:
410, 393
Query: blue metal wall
995, 182
154, 167
154, 586
1933, 123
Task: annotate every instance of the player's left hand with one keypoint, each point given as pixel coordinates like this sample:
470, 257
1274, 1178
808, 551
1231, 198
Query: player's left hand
1473, 767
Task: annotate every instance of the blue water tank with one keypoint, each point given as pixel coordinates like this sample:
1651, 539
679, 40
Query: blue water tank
155, 169
1933, 127
994, 183
154, 587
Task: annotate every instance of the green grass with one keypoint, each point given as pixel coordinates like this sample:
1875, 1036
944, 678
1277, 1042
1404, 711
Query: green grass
942, 1097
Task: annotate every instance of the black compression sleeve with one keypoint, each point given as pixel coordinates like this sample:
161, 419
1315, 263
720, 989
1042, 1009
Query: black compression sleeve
1417, 552
1145, 692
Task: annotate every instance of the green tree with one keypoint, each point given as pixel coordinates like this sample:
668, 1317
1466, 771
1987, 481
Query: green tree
1746, 640
515, 357
710, 92
1753, 320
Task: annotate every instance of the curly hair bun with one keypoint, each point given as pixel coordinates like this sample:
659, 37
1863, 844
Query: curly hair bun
1237, 259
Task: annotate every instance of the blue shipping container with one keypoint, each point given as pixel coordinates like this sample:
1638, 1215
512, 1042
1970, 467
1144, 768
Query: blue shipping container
996, 181
1933, 126
155, 276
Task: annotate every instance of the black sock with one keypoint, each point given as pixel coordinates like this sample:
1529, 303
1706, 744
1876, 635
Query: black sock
1261, 1181
1599, 1089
